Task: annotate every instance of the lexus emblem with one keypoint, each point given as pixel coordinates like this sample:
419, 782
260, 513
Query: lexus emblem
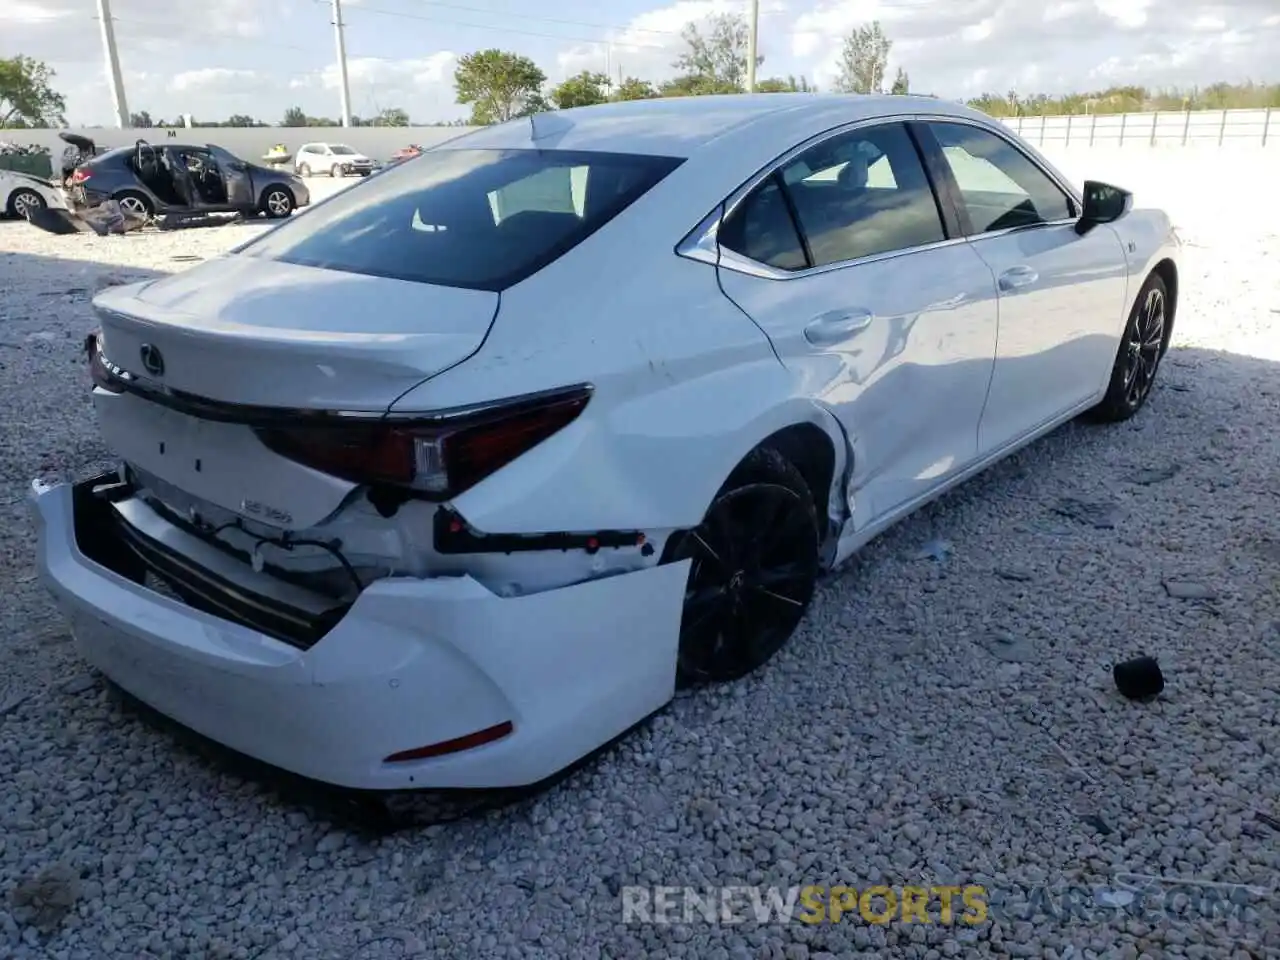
152, 361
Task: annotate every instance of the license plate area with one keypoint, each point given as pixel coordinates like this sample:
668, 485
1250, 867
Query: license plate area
224, 464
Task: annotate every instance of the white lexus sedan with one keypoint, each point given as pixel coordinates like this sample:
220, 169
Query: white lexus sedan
459, 476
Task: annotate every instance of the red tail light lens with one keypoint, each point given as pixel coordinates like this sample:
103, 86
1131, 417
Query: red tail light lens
437, 457
80, 176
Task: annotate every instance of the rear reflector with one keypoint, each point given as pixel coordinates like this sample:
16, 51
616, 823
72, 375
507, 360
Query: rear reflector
457, 745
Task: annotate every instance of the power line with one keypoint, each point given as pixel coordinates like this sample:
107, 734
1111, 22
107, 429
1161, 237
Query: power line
239, 41
486, 26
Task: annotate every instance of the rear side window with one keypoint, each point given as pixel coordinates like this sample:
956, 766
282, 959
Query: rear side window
478, 219
863, 193
761, 229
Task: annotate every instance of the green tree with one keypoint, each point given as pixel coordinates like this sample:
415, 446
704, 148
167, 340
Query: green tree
633, 88
141, 120
901, 83
863, 60
584, 90
392, 117
242, 120
498, 85
27, 97
789, 85
294, 117
714, 63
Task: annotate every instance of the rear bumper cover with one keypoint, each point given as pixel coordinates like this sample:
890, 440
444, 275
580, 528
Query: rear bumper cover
412, 663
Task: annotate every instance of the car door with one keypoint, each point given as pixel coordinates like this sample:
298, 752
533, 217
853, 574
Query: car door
1063, 296
844, 258
236, 178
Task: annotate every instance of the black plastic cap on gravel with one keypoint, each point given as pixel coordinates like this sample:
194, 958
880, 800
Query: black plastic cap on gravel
1139, 678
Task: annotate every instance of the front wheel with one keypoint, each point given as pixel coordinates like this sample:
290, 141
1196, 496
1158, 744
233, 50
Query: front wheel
755, 564
336, 171
277, 203
1146, 337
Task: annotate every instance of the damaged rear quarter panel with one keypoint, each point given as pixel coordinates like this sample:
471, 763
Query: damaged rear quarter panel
685, 386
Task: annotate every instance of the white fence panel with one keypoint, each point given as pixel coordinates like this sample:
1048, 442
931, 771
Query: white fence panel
1156, 129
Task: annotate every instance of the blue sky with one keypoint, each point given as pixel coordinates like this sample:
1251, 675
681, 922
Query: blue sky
242, 56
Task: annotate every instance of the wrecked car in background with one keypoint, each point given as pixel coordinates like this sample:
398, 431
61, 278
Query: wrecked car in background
23, 194
152, 181
26, 180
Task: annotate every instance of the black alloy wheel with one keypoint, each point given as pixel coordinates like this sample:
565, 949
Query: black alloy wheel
1145, 340
755, 564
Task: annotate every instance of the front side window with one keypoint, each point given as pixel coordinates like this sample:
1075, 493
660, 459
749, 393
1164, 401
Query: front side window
478, 219
861, 194
1001, 187
341, 150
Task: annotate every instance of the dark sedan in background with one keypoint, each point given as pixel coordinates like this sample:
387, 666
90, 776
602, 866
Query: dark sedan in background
149, 181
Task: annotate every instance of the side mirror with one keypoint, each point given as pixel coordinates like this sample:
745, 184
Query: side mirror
1103, 203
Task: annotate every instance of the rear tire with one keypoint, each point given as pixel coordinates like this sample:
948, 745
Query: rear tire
755, 564
1145, 340
304, 170
23, 202
135, 203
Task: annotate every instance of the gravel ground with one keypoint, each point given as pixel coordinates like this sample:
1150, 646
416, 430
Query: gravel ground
950, 718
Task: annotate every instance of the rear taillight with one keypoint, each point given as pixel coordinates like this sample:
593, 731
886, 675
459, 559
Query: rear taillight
80, 176
438, 457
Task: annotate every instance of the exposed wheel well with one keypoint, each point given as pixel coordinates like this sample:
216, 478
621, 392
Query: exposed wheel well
810, 451
1167, 272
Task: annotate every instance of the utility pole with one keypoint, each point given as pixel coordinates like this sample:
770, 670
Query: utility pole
341, 44
114, 77
752, 41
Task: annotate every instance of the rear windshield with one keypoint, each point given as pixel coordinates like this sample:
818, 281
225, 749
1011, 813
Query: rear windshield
480, 219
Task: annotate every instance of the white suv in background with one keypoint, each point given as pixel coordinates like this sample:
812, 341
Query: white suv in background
335, 159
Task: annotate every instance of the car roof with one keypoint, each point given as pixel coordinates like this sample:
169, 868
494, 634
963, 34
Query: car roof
681, 126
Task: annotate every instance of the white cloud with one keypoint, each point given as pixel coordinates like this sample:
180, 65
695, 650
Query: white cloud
215, 79
1128, 13
650, 43
29, 12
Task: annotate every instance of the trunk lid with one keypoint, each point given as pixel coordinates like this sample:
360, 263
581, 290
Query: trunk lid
257, 332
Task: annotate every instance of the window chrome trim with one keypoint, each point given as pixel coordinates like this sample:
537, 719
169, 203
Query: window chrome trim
701, 243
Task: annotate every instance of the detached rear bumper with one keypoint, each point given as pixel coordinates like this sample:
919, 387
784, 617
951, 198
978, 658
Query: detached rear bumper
412, 663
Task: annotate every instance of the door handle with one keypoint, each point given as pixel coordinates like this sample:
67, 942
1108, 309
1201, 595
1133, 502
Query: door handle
836, 325
1016, 277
